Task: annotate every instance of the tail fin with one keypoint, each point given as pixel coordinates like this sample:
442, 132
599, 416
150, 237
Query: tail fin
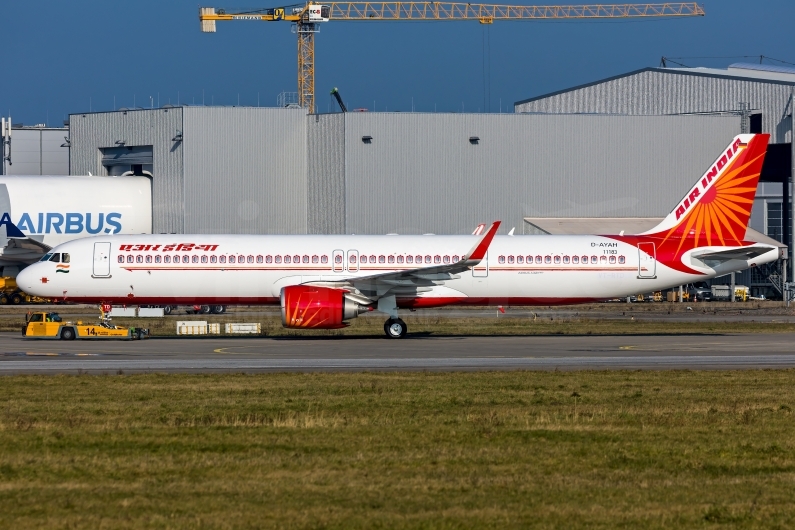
717, 209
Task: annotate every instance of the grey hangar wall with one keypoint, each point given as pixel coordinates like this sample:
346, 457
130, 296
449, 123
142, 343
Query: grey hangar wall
267, 171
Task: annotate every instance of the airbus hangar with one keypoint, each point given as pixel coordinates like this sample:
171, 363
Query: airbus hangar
281, 171
616, 153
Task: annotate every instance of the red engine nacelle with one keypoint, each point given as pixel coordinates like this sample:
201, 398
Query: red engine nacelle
305, 306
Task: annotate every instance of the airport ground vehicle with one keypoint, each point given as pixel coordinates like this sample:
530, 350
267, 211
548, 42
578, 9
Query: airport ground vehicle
722, 292
699, 292
11, 294
49, 325
323, 281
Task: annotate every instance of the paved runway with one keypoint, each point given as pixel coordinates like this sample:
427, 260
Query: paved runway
413, 353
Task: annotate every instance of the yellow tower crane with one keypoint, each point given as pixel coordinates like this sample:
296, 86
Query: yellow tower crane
308, 17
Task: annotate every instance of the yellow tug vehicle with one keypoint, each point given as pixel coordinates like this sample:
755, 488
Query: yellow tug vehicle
49, 325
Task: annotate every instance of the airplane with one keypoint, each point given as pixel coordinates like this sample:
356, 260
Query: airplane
51, 210
324, 281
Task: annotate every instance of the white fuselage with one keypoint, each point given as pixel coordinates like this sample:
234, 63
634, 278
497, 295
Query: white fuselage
196, 269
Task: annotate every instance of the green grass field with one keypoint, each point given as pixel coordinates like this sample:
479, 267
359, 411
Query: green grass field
674, 449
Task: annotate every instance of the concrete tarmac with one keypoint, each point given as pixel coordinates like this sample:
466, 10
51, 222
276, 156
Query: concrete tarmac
258, 354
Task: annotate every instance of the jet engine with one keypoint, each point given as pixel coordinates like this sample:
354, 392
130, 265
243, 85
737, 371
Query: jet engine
306, 306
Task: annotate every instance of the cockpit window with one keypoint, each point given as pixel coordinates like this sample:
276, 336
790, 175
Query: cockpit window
46, 257
65, 257
56, 258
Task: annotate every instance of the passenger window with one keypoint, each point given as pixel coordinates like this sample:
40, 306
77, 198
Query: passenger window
268, 259
538, 259
139, 258
621, 259
221, 259
277, 259
575, 259
305, 259
65, 258
315, 259
557, 260
338, 258
381, 259
352, 259
391, 259
612, 259
510, 259
501, 259
427, 259
121, 259
547, 259
323, 259
158, 258
250, 259
260, 259
288, 259
194, 259
400, 259
437, 259
419, 259
232, 259
213, 259
603, 259
446, 259
565, 259
519, 259
56, 258
149, 259
204, 259
166, 259
409, 259
130, 258
296, 259
372, 259
593, 259
455, 258
585, 260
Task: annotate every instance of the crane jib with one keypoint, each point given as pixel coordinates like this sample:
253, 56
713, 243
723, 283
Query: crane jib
305, 19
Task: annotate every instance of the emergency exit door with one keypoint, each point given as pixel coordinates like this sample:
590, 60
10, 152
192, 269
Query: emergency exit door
101, 260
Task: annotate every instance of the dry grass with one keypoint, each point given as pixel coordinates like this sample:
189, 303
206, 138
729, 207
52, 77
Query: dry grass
465, 326
428, 450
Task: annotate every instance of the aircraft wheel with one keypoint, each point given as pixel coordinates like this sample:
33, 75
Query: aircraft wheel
67, 334
167, 310
205, 310
218, 309
395, 328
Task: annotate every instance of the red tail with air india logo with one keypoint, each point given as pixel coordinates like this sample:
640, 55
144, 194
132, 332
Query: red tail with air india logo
716, 210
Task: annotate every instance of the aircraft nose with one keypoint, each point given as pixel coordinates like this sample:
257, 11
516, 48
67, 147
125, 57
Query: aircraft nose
26, 279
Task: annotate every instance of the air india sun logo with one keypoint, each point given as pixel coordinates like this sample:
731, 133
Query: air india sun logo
719, 215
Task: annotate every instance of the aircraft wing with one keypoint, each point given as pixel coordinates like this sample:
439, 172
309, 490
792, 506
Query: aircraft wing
745, 253
20, 247
421, 279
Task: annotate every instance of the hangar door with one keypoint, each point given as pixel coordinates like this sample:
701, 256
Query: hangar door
133, 160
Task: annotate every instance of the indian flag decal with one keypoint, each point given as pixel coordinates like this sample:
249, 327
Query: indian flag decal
62, 268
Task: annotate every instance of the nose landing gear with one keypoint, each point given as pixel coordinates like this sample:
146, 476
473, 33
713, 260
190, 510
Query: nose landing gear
395, 328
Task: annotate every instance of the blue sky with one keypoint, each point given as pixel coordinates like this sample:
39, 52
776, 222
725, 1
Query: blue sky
67, 57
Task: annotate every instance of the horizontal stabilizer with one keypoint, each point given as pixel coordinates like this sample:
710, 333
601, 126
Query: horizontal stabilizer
736, 253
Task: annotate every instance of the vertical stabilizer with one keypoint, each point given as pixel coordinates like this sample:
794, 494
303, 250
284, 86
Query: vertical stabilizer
717, 208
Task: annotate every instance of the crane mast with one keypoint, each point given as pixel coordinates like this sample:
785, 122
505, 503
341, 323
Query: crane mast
307, 18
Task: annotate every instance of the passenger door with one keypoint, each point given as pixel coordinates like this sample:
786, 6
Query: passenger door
101, 260
647, 260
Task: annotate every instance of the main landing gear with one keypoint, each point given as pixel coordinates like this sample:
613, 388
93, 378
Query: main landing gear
395, 328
